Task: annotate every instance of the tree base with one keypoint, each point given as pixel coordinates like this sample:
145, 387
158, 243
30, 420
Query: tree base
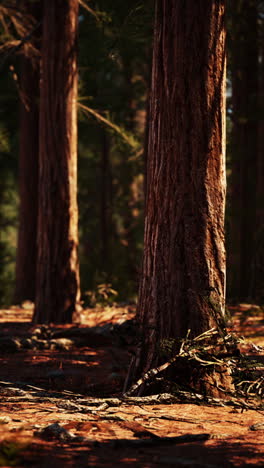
187, 375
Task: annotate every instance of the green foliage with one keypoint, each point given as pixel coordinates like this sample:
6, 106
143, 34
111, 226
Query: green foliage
167, 347
114, 64
103, 295
113, 86
115, 42
10, 453
8, 191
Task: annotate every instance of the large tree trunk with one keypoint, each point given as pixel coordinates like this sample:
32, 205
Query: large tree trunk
57, 283
183, 279
28, 172
244, 66
28, 183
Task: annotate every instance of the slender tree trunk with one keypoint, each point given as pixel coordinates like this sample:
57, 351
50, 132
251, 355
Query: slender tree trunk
28, 174
183, 279
258, 271
28, 183
129, 239
106, 221
244, 63
57, 282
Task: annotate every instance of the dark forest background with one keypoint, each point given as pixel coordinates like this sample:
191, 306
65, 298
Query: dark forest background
115, 43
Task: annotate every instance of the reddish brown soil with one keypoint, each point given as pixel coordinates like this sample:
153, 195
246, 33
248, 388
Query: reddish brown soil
115, 436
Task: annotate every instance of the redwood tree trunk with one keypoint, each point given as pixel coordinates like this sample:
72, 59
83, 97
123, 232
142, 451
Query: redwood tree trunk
106, 215
28, 183
258, 282
244, 65
184, 253
57, 282
28, 171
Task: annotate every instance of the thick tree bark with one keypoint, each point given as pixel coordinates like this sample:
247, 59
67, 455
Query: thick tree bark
57, 283
28, 182
244, 66
183, 279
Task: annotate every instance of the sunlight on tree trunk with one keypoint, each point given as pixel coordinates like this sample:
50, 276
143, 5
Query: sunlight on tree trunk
183, 279
57, 284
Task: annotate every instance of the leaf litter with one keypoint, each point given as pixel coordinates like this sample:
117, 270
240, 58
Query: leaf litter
62, 402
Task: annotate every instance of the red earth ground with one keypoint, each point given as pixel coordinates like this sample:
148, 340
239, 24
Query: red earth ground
59, 384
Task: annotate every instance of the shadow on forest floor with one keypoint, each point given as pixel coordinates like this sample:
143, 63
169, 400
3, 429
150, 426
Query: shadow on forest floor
47, 373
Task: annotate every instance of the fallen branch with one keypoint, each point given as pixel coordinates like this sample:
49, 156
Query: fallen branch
203, 352
153, 442
189, 350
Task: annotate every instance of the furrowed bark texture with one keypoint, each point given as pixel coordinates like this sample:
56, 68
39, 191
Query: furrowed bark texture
183, 281
57, 270
244, 66
28, 182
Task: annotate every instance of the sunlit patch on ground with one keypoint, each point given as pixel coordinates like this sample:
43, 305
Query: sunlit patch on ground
40, 388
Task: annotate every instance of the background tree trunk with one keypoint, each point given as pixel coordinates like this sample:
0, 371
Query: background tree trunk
57, 284
183, 279
26, 254
258, 270
244, 67
106, 205
28, 183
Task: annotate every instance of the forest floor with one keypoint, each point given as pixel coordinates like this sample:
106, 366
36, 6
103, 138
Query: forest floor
61, 400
